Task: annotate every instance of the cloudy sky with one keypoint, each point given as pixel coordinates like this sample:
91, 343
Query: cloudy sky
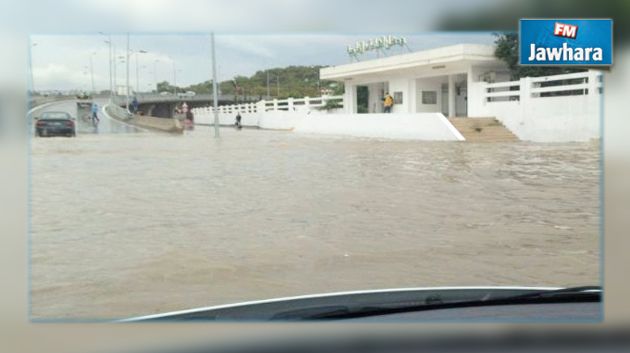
63, 61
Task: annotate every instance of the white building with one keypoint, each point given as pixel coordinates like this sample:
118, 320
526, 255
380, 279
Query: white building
464, 80
434, 80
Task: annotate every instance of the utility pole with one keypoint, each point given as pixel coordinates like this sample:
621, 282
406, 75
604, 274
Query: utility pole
127, 62
268, 94
92, 72
137, 54
111, 82
278, 85
215, 93
319, 89
155, 75
30, 67
115, 72
174, 79
137, 73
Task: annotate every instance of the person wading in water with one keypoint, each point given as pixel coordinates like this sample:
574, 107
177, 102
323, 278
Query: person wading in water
238, 121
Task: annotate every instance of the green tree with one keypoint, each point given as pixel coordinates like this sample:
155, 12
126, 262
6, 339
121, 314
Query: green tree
291, 81
164, 86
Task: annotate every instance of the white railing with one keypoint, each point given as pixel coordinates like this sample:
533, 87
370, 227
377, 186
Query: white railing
502, 89
289, 104
580, 83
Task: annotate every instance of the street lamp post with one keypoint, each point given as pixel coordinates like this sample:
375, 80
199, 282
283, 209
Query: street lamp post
122, 61
92, 72
174, 79
268, 84
127, 88
111, 82
115, 71
137, 71
155, 74
215, 93
30, 67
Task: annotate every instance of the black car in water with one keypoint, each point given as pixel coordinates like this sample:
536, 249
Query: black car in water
55, 124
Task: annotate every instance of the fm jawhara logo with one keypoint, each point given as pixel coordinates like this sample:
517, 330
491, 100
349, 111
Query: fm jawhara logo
565, 42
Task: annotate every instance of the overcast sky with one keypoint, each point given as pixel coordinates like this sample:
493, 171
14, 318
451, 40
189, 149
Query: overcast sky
63, 61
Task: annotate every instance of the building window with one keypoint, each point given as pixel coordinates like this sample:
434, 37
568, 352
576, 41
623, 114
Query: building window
398, 98
429, 97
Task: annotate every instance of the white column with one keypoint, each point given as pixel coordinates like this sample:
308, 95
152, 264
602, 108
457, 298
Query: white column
412, 97
260, 106
451, 96
594, 99
350, 98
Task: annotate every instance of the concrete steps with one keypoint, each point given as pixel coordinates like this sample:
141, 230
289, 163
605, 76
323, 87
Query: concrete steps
483, 130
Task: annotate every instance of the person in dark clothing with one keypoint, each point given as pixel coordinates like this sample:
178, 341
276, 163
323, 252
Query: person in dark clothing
238, 121
189, 122
135, 104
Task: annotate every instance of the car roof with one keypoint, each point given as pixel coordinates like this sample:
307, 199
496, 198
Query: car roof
56, 113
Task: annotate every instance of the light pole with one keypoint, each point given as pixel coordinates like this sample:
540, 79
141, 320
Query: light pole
215, 95
115, 71
122, 61
174, 78
127, 88
137, 71
155, 74
111, 82
268, 84
92, 72
30, 66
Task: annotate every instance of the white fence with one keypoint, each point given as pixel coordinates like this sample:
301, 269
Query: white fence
289, 104
535, 87
548, 109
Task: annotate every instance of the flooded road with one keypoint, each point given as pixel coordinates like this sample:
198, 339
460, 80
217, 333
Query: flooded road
82, 116
132, 224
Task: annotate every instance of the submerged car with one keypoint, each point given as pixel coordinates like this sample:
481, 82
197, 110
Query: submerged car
542, 304
55, 124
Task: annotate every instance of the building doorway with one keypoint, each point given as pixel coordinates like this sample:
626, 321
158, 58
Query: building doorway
362, 99
461, 96
370, 97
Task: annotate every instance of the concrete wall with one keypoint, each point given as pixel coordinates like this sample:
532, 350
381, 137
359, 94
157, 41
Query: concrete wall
247, 119
543, 119
401, 85
429, 84
550, 119
143, 121
420, 126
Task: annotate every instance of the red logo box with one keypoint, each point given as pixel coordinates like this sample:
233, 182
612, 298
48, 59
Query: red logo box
565, 30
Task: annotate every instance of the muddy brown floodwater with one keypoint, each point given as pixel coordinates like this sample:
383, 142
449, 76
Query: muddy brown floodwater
134, 224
